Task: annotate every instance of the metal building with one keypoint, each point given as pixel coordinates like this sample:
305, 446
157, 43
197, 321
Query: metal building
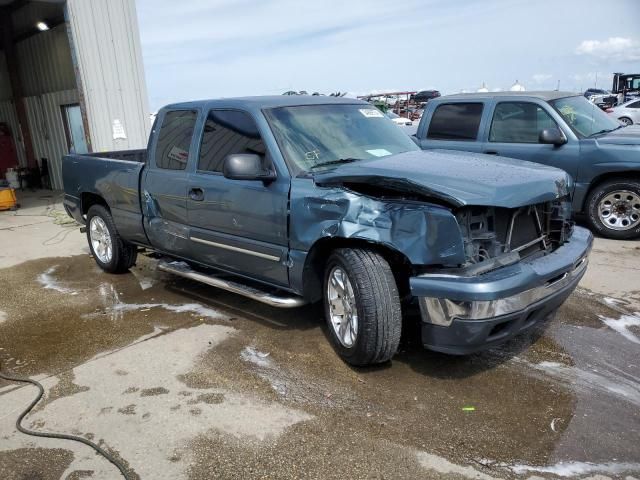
71, 78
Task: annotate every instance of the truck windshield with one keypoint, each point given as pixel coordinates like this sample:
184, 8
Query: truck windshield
584, 117
315, 137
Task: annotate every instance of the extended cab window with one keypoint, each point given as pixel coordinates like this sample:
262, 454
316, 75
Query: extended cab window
455, 121
227, 132
519, 122
174, 139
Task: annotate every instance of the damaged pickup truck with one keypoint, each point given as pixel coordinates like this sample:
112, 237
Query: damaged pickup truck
292, 200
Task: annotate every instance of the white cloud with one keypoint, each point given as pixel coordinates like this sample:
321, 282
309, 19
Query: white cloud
614, 48
541, 77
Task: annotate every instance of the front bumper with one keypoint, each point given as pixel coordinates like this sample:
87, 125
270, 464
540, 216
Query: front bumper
461, 315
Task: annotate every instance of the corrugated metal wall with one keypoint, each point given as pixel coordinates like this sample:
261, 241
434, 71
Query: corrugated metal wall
47, 129
45, 62
8, 115
106, 42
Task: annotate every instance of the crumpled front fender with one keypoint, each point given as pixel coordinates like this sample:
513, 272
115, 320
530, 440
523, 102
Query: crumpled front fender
426, 234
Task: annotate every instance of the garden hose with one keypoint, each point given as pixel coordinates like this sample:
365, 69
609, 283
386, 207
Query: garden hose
61, 436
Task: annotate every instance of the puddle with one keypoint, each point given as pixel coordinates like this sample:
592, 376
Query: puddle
235, 387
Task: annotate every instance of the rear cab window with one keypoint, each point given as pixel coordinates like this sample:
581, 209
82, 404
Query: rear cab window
174, 139
456, 121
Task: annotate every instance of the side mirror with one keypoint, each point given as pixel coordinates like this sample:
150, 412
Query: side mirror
245, 166
552, 136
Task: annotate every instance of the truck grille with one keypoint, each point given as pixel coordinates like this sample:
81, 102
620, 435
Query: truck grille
489, 232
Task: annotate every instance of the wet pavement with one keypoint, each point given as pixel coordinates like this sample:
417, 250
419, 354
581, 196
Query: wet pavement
181, 380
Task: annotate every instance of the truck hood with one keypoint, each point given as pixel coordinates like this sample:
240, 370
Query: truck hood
623, 136
457, 178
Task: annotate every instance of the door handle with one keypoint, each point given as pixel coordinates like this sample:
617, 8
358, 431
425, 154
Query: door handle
491, 152
196, 194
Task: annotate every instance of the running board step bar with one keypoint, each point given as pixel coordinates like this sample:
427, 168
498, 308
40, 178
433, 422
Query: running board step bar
183, 270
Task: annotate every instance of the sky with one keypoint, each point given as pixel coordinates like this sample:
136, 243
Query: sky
195, 49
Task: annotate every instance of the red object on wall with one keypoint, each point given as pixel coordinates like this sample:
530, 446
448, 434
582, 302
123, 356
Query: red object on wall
8, 155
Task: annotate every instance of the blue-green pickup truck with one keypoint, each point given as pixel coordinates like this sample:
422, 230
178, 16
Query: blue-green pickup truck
305, 199
559, 129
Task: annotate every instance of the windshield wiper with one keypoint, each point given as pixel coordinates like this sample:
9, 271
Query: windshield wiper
605, 131
335, 162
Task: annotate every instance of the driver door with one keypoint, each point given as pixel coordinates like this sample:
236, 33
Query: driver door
237, 225
514, 132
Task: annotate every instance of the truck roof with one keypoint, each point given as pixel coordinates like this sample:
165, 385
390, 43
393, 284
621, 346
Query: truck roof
258, 102
542, 95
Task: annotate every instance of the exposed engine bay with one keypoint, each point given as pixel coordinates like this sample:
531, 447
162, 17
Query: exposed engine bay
490, 233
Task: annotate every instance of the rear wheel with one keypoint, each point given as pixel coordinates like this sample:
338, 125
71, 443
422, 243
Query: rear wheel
362, 306
110, 252
613, 209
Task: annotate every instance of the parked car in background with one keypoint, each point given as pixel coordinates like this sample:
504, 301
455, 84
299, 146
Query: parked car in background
552, 128
398, 120
594, 91
319, 199
628, 113
602, 98
425, 95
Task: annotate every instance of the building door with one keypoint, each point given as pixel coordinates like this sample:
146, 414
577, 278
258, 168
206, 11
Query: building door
74, 128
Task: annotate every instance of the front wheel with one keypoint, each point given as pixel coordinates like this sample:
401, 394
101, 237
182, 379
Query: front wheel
626, 121
110, 252
362, 306
613, 209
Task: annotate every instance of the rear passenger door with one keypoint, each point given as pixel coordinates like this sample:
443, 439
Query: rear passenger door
456, 125
164, 186
238, 225
515, 130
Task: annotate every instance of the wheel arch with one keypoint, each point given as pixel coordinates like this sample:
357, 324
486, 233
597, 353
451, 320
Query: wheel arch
88, 199
313, 272
606, 177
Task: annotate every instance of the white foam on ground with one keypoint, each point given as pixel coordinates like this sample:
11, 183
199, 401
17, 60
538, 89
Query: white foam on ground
571, 469
120, 308
267, 370
607, 381
250, 354
3, 316
48, 282
622, 324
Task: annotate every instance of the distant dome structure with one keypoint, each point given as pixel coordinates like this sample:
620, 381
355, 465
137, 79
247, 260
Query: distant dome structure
483, 88
517, 87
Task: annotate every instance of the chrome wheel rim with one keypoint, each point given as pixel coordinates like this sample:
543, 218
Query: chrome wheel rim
625, 121
343, 314
100, 239
620, 210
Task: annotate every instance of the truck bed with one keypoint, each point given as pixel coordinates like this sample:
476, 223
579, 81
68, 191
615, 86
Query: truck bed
139, 155
113, 177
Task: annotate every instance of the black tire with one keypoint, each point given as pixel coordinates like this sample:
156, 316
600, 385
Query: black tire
593, 200
124, 254
377, 303
626, 120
